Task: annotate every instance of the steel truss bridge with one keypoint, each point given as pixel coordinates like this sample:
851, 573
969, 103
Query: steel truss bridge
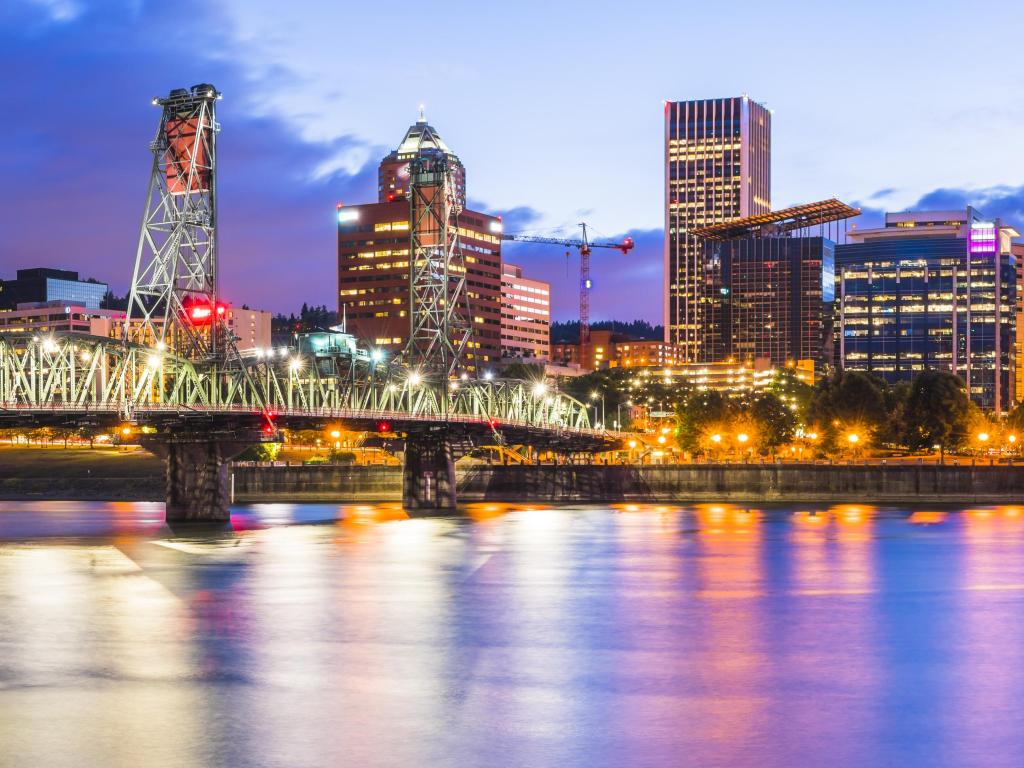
178, 373
74, 379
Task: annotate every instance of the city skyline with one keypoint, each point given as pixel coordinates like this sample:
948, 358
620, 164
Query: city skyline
298, 136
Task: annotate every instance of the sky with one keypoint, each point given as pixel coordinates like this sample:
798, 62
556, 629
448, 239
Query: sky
554, 108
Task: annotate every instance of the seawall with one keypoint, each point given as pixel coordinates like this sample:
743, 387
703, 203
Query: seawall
697, 482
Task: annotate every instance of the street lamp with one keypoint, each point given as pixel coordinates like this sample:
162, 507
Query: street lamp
742, 437
853, 438
983, 437
716, 438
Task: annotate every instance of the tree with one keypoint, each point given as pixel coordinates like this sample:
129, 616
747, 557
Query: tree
775, 421
849, 400
937, 411
700, 412
260, 452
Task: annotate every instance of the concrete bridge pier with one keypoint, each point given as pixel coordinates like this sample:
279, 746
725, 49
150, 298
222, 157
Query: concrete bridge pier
197, 478
428, 474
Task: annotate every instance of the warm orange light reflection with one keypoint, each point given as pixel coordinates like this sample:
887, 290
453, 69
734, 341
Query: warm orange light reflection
927, 518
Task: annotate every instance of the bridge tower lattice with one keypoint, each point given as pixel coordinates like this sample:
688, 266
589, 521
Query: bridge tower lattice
173, 297
440, 328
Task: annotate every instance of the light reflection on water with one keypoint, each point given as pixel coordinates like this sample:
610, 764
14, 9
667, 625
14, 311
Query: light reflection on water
635, 634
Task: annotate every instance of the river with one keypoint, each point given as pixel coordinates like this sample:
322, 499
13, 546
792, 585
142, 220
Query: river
631, 635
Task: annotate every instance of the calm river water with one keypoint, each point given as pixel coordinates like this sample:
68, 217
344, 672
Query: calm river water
642, 635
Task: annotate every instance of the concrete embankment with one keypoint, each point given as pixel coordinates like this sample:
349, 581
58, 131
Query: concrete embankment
136, 475
699, 482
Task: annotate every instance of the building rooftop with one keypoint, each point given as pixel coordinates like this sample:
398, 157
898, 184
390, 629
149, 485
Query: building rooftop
784, 220
421, 135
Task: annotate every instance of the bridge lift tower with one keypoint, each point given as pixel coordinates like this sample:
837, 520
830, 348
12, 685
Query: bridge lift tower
173, 297
439, 313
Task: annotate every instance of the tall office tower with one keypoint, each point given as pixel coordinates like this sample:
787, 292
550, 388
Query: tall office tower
373, 258
717, 168
932, 290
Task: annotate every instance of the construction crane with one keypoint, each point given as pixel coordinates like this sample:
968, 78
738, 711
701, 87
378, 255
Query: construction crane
583, 245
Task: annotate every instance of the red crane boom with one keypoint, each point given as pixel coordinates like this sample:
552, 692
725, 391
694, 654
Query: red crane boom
584, 246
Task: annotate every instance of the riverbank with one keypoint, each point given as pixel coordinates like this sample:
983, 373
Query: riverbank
101, 473
134, 475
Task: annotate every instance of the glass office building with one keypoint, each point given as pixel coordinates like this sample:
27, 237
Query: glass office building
41, 285
932, 291
770, 281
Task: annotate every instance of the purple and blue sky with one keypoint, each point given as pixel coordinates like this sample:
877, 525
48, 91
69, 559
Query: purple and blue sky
555, 109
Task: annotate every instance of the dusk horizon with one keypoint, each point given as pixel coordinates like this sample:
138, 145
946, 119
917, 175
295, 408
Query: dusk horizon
294, 145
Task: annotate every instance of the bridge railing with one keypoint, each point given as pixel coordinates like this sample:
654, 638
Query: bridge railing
76, 372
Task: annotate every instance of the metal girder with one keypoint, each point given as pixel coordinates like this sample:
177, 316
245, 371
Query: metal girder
78, 375
439, 315
176, 260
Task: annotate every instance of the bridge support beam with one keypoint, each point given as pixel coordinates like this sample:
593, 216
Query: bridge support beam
428, 475
197, 476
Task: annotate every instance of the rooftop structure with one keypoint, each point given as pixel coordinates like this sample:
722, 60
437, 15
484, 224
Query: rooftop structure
780, 221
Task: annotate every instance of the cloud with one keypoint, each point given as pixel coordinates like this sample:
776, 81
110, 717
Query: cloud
1004, 202
76, 160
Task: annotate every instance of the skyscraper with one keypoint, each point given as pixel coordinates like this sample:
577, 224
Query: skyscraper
717, 168
373, 257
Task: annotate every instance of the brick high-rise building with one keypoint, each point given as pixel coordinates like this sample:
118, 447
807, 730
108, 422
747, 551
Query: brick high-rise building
717, 168
373, 258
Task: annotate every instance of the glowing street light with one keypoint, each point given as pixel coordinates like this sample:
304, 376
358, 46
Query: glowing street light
743, 437
632, 443
539, 389
983, 437
661, 439
716, 438
335, 433
415, 379
1011, 439
853, 438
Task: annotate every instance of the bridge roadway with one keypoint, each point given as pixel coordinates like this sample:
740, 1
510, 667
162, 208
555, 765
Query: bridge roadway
197, 416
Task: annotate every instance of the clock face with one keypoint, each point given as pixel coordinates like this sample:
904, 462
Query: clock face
403, 171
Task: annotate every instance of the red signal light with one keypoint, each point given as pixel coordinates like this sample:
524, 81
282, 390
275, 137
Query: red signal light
268, 429
201, 313
383, 426
493, 423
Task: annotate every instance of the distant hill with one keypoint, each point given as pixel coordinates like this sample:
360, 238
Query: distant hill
569, 332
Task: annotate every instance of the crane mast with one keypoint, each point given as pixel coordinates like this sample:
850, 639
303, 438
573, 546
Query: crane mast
584, 246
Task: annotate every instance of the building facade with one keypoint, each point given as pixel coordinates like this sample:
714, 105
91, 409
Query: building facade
251, 327
608, 349
717, 168
525, 315
932, 290
373, 259
42, 284
771, 285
